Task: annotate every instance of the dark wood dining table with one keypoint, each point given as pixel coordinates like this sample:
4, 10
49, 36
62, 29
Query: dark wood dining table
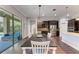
27, 43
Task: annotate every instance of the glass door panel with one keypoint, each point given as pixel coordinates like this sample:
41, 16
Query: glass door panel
6, 37
17, 29
10, 30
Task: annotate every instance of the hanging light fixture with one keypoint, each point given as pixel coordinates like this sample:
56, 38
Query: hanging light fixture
67, 13
39, 9
39, 17
54, 10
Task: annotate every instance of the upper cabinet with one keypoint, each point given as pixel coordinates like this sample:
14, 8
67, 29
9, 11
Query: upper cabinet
73, 25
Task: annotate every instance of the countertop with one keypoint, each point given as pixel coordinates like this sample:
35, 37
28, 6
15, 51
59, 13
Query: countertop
72, 33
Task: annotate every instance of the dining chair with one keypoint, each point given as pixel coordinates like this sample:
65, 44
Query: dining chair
40, 47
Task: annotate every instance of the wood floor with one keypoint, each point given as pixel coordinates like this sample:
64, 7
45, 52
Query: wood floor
61, 49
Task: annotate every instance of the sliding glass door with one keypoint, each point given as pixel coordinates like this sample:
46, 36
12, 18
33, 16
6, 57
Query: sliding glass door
1, 27
5, 33
17, 29
10, 30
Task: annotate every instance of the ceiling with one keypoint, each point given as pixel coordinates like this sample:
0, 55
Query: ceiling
46, 11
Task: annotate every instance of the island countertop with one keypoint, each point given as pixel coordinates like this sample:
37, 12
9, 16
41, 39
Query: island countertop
72, 33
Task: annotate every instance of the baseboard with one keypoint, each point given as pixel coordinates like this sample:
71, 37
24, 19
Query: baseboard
70, 44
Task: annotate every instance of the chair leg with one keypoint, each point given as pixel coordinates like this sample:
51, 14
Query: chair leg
54, 50
24, 52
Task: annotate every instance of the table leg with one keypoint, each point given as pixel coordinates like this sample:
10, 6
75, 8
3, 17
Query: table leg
24, 50
54, 50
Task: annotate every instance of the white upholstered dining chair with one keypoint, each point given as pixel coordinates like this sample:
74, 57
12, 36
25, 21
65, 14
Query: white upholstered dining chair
40, 47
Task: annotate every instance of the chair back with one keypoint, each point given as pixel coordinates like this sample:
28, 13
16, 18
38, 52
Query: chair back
40, 47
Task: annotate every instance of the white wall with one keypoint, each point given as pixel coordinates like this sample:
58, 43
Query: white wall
32, 27
25, 28
18, 14
63, 25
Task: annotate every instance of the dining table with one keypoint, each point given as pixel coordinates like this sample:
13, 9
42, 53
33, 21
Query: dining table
27, 43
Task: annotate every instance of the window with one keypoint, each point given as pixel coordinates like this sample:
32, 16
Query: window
1, 24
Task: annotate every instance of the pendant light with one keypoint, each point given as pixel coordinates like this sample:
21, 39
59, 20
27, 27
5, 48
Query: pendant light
54, 10
67, 12
39, 17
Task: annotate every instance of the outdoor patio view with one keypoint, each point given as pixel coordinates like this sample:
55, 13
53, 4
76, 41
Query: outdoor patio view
10, 30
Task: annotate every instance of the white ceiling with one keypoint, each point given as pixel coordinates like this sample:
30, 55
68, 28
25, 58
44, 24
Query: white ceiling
32, 11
